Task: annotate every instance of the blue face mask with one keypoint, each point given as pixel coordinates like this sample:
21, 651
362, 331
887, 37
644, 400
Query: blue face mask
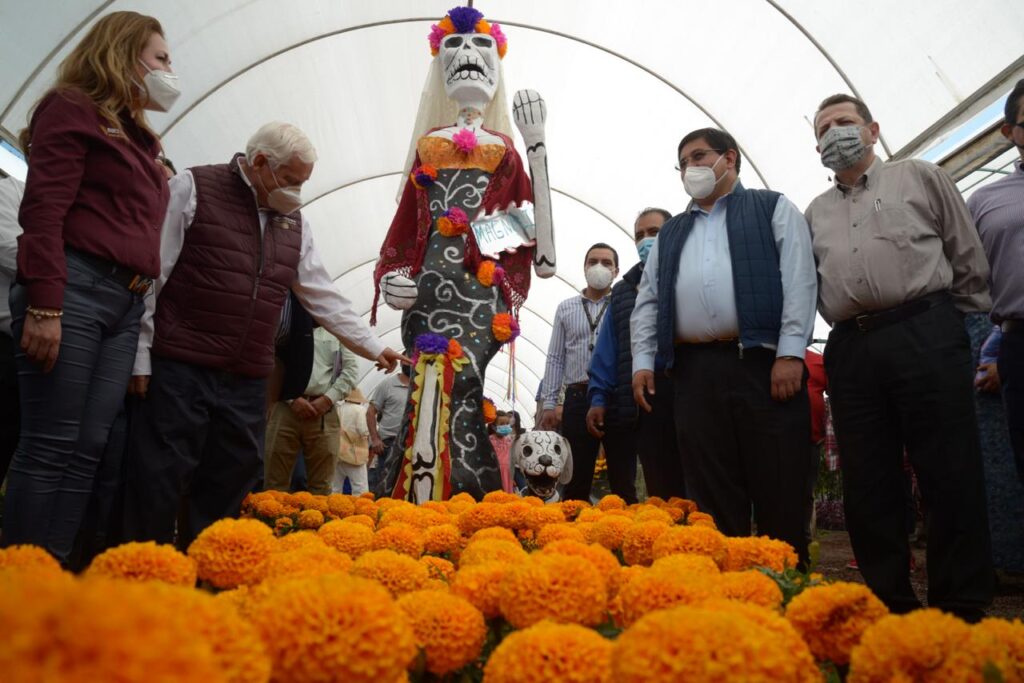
644, 247
503, 430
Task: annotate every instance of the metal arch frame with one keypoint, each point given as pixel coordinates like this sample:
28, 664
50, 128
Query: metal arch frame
825, 53
51, 54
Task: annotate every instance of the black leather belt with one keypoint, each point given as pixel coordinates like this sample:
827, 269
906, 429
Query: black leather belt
133, 282
578, 386
866, 322
1013, 325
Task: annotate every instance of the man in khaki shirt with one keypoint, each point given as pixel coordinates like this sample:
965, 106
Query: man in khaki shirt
899, 263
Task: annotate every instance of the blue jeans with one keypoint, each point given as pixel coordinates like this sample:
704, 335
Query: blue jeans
66, 413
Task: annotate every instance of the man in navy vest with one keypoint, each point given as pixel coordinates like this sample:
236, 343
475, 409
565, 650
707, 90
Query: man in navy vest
613, 416
726, 306
233, 245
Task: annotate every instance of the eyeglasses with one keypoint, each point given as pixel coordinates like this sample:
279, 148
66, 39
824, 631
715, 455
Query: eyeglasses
695, 158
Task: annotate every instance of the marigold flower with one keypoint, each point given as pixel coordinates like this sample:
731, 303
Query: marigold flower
597, 555
556, 587
235, 643
283, 526
514, 515
268, 508
610, 531
145, 562
481, 585
687, 506
691, 643
311, 519
449, 629
29, 556
611, 502
400, 537
343, 627
638, 542
831, 618
562, 531
353, 539
667, 585
500, 497
692, 539
622, 576
547, 652
572, 508
491, 550
748, 552
590, 515
752, 586
996, 641
439, 568
340, 505
366, 506
396, 572
298, 539
907, 647
233, 552
495, 533
654, 514
59, 629
443, 539
308, 561
361, 520
479, 516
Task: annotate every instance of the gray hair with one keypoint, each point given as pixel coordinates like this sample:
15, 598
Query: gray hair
279, 142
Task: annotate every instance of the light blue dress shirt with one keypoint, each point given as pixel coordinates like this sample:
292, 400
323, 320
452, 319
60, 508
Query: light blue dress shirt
705, 305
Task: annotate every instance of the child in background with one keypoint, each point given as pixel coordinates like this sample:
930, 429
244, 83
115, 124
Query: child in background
502, 435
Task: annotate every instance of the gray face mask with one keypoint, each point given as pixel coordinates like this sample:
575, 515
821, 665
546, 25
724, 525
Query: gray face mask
841, 147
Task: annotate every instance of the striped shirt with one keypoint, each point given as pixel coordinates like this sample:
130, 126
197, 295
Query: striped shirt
572, 343
998, 211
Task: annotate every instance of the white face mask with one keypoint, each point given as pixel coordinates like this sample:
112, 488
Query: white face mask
599, 277
161, 87
700, 181
284, 200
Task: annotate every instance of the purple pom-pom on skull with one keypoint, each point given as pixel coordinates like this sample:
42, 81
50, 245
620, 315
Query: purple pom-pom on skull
464, 19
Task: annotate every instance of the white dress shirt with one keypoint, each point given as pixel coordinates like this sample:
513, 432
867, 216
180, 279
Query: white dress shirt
11, 191
705, 303
571, 345
313, 285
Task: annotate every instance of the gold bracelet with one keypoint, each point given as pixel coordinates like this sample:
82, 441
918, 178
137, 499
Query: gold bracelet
40, 313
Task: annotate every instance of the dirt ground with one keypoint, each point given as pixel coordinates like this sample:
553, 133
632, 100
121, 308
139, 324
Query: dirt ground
836, 553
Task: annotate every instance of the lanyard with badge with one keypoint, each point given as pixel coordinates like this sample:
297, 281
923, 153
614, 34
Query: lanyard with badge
594, 323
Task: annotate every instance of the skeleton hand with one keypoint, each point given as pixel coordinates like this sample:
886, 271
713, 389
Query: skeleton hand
399, 291
530, 112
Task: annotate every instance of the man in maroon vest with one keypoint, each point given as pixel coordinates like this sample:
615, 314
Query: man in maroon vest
233, 245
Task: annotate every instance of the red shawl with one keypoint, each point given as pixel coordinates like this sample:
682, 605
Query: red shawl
406, 242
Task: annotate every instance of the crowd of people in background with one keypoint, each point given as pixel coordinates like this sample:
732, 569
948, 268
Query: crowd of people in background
201, 295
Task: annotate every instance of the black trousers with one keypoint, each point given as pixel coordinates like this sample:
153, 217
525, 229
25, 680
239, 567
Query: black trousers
198, 431
741, 449
619, 454
910, 384
10, 415
1011, 377
657, 445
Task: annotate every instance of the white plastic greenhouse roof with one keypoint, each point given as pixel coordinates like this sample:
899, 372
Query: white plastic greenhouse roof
623, 81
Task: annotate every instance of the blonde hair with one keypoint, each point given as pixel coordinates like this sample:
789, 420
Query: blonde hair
103, 67
279, 142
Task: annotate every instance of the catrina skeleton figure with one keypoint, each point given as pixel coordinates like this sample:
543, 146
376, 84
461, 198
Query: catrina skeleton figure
470, 225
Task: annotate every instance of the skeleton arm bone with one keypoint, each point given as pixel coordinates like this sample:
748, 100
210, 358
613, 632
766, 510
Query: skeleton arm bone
530, 113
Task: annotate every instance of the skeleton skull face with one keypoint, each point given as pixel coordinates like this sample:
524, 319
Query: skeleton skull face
470, 63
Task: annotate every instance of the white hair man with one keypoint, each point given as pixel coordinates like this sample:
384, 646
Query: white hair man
207, 342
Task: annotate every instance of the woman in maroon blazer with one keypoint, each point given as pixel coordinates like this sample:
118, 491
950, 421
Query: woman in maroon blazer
94, 204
